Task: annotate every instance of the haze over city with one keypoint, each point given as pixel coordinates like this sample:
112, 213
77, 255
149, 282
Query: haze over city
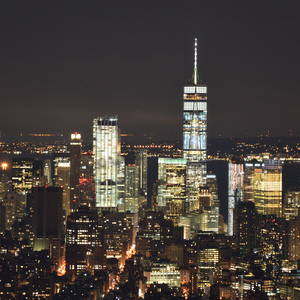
64, 63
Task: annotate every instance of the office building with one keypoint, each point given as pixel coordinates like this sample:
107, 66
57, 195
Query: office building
246, 226
26, 173
63, 180
291, 204
164, 272
48, 222
207, 260
75, 161
235, 191
121, 183
106, 150
155, 232
171, 187
85, 249
250, 169
142, 162
86, 181
119, 233
195, 134
131, 188
268, 188
208, 219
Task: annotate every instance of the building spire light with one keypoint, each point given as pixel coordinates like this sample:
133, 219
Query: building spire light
195, 62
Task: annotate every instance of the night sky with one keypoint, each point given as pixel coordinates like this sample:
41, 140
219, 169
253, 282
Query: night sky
64, 62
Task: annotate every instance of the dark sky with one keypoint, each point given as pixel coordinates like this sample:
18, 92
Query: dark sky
64, 62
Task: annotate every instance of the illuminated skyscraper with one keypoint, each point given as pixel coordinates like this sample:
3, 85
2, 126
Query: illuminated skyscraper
171, 187
106, 151
268, 188
131, 188
141, 161
195, 134
235, 191
63, 180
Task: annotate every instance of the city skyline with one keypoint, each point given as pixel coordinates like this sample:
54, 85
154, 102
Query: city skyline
62, 65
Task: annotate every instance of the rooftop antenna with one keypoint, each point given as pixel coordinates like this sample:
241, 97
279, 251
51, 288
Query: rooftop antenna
195, 62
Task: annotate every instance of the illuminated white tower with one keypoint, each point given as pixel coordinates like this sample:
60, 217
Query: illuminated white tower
235, 191
195, 134
106, 151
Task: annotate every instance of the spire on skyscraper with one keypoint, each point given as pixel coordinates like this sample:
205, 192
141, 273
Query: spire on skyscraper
195, 62
195, 79
195, 75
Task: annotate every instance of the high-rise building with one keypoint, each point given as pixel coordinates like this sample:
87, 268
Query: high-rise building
246, 226
48, 222
141, 161
250, 169
119, 234
131, 188
293, 238
195, 134
268, 188
84, 242
235, 191
155, 232
171, 187
26, 173
86, 181
75, 161
106, 150
63, 180
291, 203
121, 183
208, 258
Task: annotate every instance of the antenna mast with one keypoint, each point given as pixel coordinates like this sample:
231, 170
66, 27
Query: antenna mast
195, 62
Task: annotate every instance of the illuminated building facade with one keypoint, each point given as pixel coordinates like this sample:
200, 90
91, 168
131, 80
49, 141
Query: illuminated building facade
270, 237
63, 180
75, 161
164, 272
195, 134
155, 232
235, 191
84, 242
86, 181
106, 150
208, 258
171, 187
131, 188
26, 173
142, 162
250, 169
119, 233
268, 188
291, 204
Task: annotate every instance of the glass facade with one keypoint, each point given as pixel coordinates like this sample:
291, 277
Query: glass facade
106, 151
195, 134
171, 187
268, 188
131, 188
195, 139
194, 126
235, 192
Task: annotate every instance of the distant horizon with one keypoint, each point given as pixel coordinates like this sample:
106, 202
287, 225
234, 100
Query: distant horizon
132, 138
